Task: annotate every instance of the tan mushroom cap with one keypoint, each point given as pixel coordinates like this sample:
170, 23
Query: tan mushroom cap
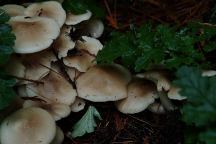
73, 19
160, 77
55, 89
209, 73
103, 83
50, 9
13, 10
78, 105
82, 61
89, 44
141, 93
59, 137
95, 28
33, 34
28, 126
38, 65
174, 94
72, 73
58, 111
63, 43
156, 108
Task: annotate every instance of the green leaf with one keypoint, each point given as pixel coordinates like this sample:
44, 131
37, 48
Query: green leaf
3, 17
209, 136
87, 123
80, 7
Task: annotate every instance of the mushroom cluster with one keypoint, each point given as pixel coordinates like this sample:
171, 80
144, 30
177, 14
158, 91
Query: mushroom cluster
56, 73
52, 48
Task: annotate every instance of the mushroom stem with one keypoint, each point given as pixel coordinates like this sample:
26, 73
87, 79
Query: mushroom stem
165, 101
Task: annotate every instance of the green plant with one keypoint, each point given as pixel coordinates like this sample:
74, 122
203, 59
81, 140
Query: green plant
200, 110
141, 48
7, 39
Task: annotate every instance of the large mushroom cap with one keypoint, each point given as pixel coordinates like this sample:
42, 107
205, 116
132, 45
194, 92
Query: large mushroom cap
33, 34
50, 9
55, 89
59, 137
13, 10
28, 126
141, 93
104, 83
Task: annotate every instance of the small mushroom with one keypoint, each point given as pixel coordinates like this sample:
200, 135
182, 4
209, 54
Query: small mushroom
95, 28
159, 76
89, 44
103, 83
156, 108
81, 61
73, 19
28, 126
208, 73
78, 105
50, 9
59, 136
58, 111
13, 10
174, 94
140, 94
33, 34
63, 43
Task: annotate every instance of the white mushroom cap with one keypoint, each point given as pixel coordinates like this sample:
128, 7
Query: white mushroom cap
38, 65
95, 28
174, 94
141, 93
55, 89
63, 43
160, 77
209, 73
50, 9
78, 105
13, 10
33, 34
104, 83
59, 137
82, 61
156, 108
89, 44
28, 126
73, 19
58, 111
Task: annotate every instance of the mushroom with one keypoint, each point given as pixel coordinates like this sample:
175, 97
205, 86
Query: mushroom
159, 76
95, 28
58, 111
38, 65
82, 61
140, 94
89, 44
54, 89
156, 108
59, 136
103, 83
33, 34
173, 93
78, 105
73, 19
28, 126
208, 73
13, 10
63, 43
50, 9
72, 73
